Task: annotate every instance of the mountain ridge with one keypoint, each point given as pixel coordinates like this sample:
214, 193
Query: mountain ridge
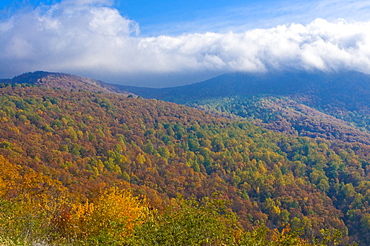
63, 81
231, 84
296, 103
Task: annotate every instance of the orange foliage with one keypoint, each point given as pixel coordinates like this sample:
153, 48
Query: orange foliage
115, 212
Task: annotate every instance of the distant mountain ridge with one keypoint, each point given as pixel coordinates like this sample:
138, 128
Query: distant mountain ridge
282, 84
338, 103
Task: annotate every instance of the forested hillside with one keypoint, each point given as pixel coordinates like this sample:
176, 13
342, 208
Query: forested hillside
313, 104
71, 159
286, 115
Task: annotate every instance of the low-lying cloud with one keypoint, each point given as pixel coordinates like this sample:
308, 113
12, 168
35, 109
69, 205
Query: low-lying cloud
88, 37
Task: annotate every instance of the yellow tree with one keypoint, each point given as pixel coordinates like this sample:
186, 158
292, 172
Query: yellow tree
109, 218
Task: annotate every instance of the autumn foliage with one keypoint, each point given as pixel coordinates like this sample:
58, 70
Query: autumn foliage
91, 168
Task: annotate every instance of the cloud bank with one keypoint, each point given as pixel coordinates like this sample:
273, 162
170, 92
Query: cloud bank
89, 37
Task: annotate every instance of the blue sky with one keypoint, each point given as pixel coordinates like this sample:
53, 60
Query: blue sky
171, 17
168, 43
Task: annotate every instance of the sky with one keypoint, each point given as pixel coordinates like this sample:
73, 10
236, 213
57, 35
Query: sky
169, 43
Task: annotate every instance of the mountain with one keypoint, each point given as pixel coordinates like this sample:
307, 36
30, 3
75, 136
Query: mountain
275, 83
329, 105
61, 147
63, 81
5, 81
70, 159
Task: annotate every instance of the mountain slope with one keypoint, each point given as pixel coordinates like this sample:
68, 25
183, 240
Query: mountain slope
285, 115
88, 141
343, 97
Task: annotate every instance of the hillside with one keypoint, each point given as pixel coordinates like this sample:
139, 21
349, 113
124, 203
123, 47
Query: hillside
80, 143
329, 105
285, 115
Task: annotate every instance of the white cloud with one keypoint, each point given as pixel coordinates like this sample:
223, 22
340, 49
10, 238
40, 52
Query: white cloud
90, 38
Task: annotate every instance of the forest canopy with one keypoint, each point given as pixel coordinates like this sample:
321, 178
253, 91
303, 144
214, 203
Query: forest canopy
71, 159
